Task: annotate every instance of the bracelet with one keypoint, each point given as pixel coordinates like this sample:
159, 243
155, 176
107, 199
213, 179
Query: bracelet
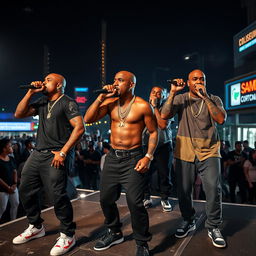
99, 100
62, 154
149, 156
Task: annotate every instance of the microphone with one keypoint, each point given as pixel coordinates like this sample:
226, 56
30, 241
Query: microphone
99, 91
201, 92
171, 81
28, 86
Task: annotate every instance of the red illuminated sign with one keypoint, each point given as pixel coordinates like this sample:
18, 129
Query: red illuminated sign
81, 99
248, 86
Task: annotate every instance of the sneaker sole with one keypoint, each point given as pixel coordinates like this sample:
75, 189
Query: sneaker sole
191, 229
119, 241
61, 253
32, 238
216, 245
167, 210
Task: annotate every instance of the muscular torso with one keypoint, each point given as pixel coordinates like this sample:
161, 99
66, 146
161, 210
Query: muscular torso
128, 136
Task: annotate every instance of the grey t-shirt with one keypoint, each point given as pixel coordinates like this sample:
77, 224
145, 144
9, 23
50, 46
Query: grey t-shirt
197, 135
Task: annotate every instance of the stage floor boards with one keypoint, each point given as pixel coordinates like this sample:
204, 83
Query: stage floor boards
239, 230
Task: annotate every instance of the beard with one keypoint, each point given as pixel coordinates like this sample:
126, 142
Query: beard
45, 92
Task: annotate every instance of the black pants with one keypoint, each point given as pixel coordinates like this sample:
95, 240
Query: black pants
209, 171
240, 181
119, 171
37, 174
162, 164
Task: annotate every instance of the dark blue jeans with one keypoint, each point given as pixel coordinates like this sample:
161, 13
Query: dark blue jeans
38, 173
119, 172
209, 171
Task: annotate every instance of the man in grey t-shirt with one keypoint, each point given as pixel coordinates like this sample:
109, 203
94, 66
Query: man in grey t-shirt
197, 149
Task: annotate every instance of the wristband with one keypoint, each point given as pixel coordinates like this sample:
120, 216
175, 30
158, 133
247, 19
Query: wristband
99, 100
62, 154
149, 156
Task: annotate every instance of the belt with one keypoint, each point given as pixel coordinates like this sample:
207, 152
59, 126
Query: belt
126, 153
46, 150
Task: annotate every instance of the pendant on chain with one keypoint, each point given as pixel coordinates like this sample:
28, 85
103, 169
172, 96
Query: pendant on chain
121, 124
49, 115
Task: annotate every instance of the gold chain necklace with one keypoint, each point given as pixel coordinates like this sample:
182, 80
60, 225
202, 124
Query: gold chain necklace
192, 111
123, 114
51, 107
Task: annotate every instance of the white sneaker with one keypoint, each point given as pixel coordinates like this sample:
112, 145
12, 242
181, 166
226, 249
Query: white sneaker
64, 244
30, 233
167, 207
147, 203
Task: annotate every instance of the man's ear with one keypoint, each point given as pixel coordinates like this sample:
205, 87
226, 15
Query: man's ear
132, 85
59, 86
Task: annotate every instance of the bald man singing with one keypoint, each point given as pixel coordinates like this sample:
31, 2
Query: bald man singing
60, 127
125, 165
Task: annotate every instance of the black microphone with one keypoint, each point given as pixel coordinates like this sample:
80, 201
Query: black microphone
201, 91
99, 91
28, 86
172, 82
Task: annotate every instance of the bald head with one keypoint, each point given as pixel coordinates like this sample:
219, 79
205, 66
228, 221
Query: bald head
128, 75
60, 79
196, 73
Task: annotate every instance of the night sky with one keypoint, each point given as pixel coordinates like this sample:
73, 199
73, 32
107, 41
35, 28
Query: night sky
149, 40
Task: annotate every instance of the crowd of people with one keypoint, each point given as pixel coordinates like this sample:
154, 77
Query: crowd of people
141, 157
238, 170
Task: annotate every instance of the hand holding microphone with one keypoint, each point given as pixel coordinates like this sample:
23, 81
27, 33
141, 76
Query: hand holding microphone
36, 86
176, 84
106, 92
201, 91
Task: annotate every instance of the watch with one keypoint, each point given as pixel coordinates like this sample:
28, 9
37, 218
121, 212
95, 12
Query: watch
62, 154
149, 156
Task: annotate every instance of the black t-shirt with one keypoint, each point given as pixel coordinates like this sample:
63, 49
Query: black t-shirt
54, 132
224, 158
6, 172
236, 168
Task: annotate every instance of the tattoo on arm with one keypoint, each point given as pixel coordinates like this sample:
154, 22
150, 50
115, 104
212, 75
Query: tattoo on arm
152, 141
167, 107
217, 112
214, 110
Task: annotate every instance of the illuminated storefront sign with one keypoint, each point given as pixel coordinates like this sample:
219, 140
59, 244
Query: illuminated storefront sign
81, 96
247, 41
17, 126
244, 44
241, 93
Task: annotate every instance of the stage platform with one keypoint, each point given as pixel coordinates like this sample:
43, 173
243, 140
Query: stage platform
239, 230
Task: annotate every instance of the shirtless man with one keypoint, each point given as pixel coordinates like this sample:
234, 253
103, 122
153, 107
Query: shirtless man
125, 165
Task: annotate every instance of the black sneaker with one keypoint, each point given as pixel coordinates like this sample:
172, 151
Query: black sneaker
185, 228
217, 238
142, 250
167, 207
108, 240
147, 203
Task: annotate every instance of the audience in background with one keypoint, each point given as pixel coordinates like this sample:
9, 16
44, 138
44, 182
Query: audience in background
238, 169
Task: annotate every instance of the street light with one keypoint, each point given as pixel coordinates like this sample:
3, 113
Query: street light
199, 59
